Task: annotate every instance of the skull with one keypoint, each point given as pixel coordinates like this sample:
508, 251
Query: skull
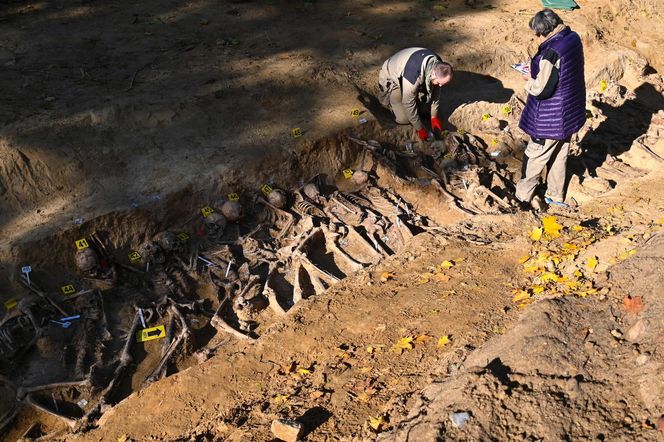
168, 241
87, 261
311, 191
232, 210
360, 177
151, 253
215, 223
278, 198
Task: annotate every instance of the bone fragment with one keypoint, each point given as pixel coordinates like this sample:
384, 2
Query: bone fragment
70, 422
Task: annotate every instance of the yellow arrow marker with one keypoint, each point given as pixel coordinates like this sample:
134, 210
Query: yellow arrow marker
82, 244
183, 236
67, 289
148, 334
207, 211
10, 304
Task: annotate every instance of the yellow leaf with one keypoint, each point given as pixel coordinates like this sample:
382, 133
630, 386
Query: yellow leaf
447, 264
549, 276
371, 349
458, 260
123, 438
524, 259
536, 234
441, 277
366, 369
592, 262
378, 423
404, 344
532, 269
551, 226
537, 289
303, 371
578, 273
424, 278
422, 339
660, 221
280, 398
568, 246
577, 228
521, 295
443, 341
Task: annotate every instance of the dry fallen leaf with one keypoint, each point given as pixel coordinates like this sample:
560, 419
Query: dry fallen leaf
405, 343
386, 276
440, 277
443, 341
524, 259
592, 262
280, 398
378, 423
633, 305
520, 296
422, 339
447, 264
551, 226
536, 234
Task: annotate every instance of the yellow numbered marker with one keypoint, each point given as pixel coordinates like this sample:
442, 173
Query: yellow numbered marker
10, 304
486, 117
266, 189
183, 236
148, 334
134, 257
348, 173
461, 131
296, 132
603, 85
207, 211
494, 141
355, 113
507, 109
233, 197
68, 289
82, 244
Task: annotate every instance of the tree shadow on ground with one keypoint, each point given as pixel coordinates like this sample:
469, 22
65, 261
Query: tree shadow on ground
616, 135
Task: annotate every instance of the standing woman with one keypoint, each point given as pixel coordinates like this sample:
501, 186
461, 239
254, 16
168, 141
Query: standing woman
556, 106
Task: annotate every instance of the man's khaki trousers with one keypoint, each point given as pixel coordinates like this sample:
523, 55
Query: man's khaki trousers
550, 154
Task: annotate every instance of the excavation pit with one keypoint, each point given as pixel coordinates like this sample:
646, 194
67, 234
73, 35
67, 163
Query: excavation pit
132, 297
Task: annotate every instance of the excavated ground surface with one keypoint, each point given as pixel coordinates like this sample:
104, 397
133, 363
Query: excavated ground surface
338, 317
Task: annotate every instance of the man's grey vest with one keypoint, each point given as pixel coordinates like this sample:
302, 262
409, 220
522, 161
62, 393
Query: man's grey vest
564, 113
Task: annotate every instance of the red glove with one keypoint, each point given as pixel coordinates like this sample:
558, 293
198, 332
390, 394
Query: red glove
423, 134
436, 124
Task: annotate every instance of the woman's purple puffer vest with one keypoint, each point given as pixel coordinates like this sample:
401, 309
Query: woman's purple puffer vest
564, 113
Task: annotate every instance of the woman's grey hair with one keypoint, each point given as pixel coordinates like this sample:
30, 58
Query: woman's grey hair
442, 70
544, 22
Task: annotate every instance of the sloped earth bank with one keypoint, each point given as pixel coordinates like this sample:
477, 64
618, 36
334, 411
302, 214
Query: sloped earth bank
340, 317
571, 368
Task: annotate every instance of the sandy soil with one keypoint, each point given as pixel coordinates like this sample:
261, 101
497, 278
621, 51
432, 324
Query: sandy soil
132, 116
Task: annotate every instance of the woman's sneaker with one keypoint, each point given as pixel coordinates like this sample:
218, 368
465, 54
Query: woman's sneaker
552, 202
